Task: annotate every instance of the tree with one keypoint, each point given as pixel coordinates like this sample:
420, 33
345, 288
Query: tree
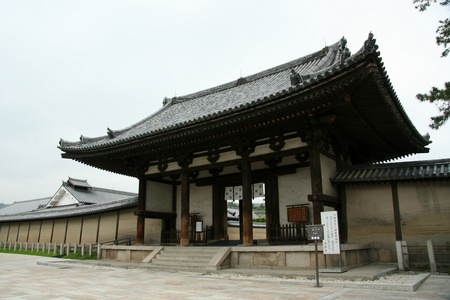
441, 97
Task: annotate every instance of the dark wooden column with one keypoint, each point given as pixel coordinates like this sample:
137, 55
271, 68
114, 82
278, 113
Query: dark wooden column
241, 222
140, 233
219, 211
247, 201
184, 238
397, 220
343, 228
173, 222
316, 183
272, 202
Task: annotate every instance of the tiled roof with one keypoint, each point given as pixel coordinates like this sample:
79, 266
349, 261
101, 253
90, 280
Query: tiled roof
65, 212
225, 99
79, 183
96, 195
92, 200
405, 171
23, 206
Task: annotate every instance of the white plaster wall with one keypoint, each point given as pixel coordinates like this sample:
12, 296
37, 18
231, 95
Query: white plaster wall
294, 189
328, 167
158, 197
201, 202
66, 199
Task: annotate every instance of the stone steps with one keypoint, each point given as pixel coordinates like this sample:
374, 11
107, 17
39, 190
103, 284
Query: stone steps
184, 258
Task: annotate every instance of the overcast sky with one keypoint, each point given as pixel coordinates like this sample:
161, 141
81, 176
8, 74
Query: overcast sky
72, 67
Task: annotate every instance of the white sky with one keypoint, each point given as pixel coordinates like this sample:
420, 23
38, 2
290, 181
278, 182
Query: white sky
72, 67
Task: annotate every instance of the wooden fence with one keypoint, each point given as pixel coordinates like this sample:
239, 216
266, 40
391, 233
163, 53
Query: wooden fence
172, 236
294, 233
52, 248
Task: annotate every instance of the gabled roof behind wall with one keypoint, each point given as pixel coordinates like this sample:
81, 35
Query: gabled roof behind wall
23, 206
81, 201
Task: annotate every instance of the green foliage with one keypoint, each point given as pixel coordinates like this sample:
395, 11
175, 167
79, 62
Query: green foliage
232, 204
424, 4
261, 207
443, 30
259, 220
441, 97
443, 37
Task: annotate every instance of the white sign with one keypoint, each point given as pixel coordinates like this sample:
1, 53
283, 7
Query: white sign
199, 226
331, 243
235, 192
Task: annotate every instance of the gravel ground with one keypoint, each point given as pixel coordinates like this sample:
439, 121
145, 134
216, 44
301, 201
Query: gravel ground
389, 279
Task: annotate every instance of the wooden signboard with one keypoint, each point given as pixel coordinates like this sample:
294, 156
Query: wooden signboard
297, 213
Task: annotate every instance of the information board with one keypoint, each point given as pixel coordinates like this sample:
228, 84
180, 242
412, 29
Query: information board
314, 232
331, 242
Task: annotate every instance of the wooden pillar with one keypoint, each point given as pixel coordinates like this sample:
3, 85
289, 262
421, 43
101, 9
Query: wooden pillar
247, 201
140, 232
184, 238
173, 222
241, 222
219, 205
343, 214
397, 221
272, 203
316, 183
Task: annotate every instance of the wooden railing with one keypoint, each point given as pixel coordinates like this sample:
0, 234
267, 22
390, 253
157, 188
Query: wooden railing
51, 248
294, 233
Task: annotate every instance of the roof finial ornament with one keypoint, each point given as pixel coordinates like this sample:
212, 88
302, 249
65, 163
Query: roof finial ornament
344, 52
82, 139
295, 78
369, 43
111, 133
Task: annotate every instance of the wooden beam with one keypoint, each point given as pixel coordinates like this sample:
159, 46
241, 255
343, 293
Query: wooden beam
155, 214
325, 199
257, 175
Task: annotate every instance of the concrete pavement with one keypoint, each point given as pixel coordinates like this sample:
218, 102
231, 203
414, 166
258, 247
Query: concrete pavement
22, 278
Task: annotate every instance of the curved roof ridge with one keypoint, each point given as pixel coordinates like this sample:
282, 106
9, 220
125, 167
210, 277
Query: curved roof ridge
114, 135
286, 66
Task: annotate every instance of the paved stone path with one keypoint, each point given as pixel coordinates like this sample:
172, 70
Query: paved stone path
22, 278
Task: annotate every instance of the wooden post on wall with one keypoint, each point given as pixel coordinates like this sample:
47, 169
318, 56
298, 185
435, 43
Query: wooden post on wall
184, 236
140, 232
247, 219
316, 183
343, 214
397, 221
